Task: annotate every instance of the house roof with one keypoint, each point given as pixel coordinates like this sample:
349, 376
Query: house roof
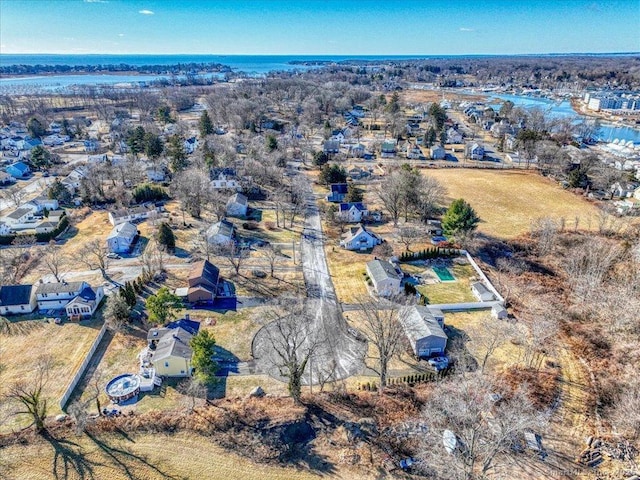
124, 212
238, 198
339, 188
174, 343
382, 270
19, 213
60, 287
331, 145
87, 294
23, 167
205, 270
190, 326
418, 322
480, 288
123, 230
11, 295
223, 227
356, 231
345, 207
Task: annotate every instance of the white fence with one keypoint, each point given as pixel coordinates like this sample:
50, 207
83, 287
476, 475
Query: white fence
85, 363
486, 282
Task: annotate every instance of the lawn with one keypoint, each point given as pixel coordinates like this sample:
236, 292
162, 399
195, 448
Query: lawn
508, 201
457, 291
66, 345
148, 456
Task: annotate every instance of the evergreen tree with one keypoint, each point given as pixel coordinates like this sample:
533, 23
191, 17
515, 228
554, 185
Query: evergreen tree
205, 125
166, 237
162, 306
203, 348
176, 153
164, 114
272, 143
460, 219
58, 191
35, 128
332, 174
40, 157
320, 158
135, 140
354, 194
153, 146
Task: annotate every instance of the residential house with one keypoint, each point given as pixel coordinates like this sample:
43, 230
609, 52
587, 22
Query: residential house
73, 179
190, 145
359, 238
6, 179
27, 144
518, 159
510, 142
331, 147
623, 189
94, 159
203, 282
141, 212
353, 212
46, 226
224, 179
17, 299
437, 153
500, 129
474, 151
384, 277
357, 173
85, 303
453, 136
42, 203
237, 205
55, 140
91, 145
122, 237
172, 353
18, 170
424, 331
413, 151
155, 174
4, 229
338, 136
337, 192
481, 292
357, 150
413, 129
19, 216
388, 149
221, 233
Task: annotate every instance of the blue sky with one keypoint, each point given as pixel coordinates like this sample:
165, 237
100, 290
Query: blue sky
314, 27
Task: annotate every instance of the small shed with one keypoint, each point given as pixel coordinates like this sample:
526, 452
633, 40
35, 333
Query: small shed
499, 312
481, 292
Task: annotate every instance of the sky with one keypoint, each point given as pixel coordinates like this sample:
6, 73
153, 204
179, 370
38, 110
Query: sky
317, 27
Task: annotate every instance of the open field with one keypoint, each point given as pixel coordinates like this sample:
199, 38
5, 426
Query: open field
66, 345
144, 456
508, 201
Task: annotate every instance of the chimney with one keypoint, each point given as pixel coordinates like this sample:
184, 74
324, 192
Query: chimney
186, 316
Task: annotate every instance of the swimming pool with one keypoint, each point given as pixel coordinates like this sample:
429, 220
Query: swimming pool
443, 274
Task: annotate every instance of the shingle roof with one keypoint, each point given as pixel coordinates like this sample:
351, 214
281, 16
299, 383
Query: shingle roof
381, 270
418, 322
125, 230
355, 231
339, 188
223, 227
59, 287
11, 295
19, 213
174, 343
345, 207
205, 270
238, 198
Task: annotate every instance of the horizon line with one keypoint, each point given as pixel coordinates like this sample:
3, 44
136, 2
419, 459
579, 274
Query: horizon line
332, 54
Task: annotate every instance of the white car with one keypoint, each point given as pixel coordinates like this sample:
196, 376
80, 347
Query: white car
113, 255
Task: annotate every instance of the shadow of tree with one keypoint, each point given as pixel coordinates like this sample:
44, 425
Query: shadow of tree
68, 460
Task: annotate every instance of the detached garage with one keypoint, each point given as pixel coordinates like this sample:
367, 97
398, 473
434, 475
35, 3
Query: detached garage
424, 332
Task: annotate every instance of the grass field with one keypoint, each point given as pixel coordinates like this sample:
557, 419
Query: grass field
507, 201
457, 291
66, 345
143, 456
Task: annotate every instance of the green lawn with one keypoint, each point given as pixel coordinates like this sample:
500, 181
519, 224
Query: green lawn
458, 291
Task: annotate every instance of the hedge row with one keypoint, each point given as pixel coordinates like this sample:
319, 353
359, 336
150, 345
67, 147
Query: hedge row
429, 253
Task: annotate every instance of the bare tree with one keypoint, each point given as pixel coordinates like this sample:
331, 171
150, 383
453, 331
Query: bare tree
381, 326
273, 255
587, 266
234, 254
391, 194
491, 336
94, 256
545, 231
481, 433
54, 259
408, 235
15, 195
30, 395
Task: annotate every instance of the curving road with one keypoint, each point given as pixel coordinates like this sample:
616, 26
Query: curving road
340, 353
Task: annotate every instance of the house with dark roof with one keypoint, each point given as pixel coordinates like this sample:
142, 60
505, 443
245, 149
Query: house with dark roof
203, 282
221, 233
85, 303
359, 238
388, 149
384, 277
122, 237
18, 170
331, 147
17, 299
57, 295
237, 205
337, 192
353, 212
474, 151
424, 331
6, 179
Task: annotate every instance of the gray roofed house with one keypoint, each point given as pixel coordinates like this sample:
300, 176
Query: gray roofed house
237, 205
172, 354
59, 287
359, 238
121, 237
423, 330
481, 292
221, 232
19, 215
17, 299
384, 277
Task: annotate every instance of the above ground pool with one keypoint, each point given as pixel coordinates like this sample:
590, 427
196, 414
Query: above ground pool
123, 387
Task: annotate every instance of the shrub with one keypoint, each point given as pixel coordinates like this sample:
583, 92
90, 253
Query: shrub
250, 225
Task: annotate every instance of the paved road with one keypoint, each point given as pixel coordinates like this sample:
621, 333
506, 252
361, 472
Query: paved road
340, 354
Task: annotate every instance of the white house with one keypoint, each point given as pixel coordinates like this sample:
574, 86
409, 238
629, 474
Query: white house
237, 205
43, 202
424, 331
453, 136
4, 229
122, 237
225, 181
190, 145
352, 212
499, 312
73, 179
359, 238
85, 303
384, 277
131, 214
221, 233
17, 299
19, 216
474, 151
481, 292
414, 152
437, 153
156, 174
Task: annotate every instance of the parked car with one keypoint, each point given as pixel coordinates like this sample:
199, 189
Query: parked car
115, 256
439, 363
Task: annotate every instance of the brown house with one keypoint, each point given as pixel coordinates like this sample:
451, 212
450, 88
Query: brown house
203, 282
